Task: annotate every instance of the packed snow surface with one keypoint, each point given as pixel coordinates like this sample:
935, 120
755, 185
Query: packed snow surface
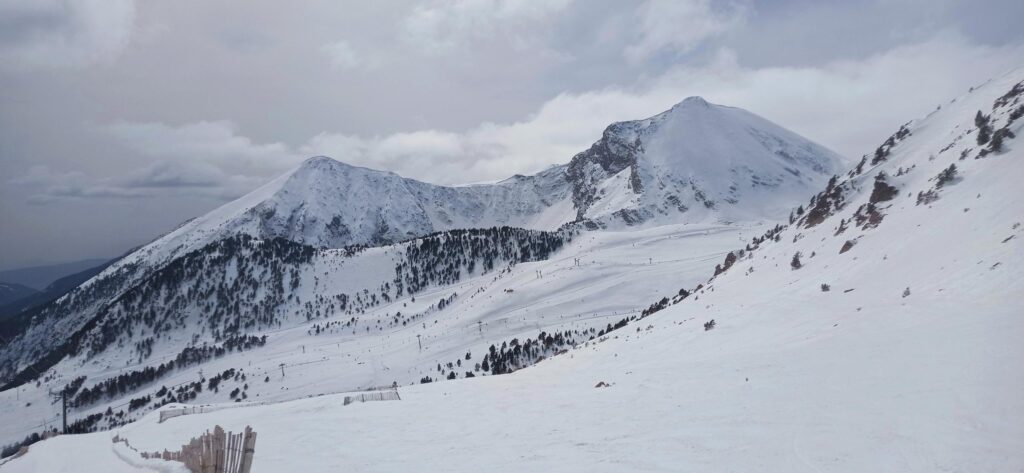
879, 331
557, 294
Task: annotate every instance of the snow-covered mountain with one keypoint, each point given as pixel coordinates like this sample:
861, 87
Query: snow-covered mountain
292, 251
878, 330
696, 162
329, 204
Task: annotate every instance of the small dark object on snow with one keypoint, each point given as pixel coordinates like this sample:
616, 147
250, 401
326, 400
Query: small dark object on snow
601, 384
709, 325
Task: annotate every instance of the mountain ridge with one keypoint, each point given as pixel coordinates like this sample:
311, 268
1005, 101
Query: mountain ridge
325, 202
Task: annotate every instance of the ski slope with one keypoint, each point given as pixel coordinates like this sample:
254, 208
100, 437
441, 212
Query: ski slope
646, 264
791, 379
884, 337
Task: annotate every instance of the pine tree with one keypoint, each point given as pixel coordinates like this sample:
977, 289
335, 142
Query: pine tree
984, 127
996, 145
946, 176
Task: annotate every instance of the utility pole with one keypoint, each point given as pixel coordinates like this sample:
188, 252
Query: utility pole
64, 408
282, 370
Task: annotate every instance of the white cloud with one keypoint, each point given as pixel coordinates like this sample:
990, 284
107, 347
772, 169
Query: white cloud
678, 26
850, 106
342, 55
217, 142
211, 158
208, 158
55, 33
847, 105
444, 26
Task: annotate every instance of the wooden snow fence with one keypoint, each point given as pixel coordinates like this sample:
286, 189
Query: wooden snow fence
216, 452
391, 395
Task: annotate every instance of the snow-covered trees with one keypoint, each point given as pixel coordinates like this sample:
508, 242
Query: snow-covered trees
444, 258
946, 176
996, 144
882, 190
984, 124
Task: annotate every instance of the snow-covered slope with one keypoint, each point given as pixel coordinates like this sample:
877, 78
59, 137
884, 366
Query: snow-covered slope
880, 331
332, 338
328, 204
696, 163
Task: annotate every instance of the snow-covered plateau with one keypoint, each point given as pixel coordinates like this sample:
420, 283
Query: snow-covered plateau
694, 292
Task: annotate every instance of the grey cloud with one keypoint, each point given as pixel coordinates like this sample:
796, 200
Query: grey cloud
211, 142
342, 54
169, 174
53, 33
679, 26
47, 187
162, 180
441, 27
24, 23
144, 118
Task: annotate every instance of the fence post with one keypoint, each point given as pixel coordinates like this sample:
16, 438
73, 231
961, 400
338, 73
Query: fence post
230, 451
235, 454
218, 451
248, 448
207, 460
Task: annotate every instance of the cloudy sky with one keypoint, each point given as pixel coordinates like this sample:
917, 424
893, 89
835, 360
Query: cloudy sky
121, 119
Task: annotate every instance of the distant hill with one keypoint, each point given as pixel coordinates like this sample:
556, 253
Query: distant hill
10, 292
39, 277
29, 298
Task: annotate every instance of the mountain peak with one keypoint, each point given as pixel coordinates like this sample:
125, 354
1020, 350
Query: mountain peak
697, 161
693, 101
320, 162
